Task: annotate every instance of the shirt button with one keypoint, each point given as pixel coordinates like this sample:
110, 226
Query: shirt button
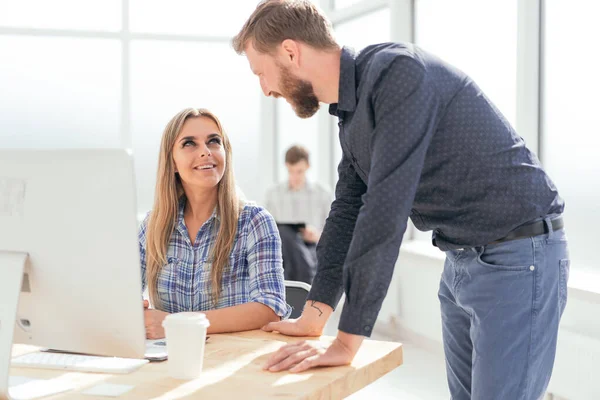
367, 328
532, 268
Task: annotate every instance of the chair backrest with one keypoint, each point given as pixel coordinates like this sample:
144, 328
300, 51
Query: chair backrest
295, 294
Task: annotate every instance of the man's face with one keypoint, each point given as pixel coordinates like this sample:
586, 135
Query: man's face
297, 174
277, 80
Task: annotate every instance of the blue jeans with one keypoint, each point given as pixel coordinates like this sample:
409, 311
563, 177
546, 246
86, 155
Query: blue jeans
501, 305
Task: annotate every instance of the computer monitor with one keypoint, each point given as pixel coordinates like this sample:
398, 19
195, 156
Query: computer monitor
69, 254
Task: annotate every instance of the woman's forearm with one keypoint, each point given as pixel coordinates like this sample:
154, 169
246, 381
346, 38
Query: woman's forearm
243, 317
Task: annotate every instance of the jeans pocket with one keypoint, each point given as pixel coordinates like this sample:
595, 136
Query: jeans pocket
564, 267
509, 256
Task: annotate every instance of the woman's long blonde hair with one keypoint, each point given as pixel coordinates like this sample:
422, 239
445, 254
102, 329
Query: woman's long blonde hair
169, 192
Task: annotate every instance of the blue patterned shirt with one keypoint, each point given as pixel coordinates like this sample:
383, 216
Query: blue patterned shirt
255, 272
419, 140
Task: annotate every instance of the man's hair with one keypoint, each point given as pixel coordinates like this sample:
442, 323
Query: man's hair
274, 21
295, 154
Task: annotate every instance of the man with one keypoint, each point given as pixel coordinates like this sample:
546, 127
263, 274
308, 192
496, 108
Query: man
299, 201
420, 140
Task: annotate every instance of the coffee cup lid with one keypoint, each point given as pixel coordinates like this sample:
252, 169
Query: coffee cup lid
187, 318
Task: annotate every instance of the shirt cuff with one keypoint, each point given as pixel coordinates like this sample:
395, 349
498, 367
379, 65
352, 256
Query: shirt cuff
356, 321
325, 289
280, 307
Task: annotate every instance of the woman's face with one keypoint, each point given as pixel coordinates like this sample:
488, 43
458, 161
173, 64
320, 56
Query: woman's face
199, 154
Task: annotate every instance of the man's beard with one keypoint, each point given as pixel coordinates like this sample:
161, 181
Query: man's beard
299, 93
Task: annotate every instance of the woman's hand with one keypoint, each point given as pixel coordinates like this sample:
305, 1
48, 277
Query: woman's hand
310, 323
153, 322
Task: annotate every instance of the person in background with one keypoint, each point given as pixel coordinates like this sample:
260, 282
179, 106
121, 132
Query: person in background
298, 201
202, 248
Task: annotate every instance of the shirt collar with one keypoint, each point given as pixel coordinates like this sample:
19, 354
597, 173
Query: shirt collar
347, 86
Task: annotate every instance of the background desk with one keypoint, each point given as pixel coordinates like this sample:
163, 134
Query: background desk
233, 370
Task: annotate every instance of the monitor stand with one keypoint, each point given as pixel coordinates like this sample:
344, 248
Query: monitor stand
12, 265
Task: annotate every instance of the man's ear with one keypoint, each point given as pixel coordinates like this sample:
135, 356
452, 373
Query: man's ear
291, 52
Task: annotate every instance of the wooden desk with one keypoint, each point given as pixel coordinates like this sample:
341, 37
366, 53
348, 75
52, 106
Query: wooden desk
233, 370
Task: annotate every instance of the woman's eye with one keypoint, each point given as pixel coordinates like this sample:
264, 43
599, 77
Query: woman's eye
188, 143
215, 140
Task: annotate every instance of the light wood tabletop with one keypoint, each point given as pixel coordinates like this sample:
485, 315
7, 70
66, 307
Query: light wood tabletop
233, 370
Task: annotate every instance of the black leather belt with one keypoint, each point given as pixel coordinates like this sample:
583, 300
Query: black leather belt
530, 230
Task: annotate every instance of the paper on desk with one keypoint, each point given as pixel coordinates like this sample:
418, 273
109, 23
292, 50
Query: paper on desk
108, 390
24, 388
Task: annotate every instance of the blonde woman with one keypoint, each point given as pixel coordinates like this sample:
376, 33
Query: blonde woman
202, 248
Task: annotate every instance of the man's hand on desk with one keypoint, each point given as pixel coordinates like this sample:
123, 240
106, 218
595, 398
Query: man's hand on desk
300, 356
153, 321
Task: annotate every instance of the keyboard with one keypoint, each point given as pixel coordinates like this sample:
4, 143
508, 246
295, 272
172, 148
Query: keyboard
77, 362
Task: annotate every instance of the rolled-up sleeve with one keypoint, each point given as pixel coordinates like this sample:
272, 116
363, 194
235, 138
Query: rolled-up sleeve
265, 264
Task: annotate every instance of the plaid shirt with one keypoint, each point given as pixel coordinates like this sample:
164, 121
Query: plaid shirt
255, 272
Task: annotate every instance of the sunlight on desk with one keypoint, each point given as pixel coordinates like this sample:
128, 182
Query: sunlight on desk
233, 369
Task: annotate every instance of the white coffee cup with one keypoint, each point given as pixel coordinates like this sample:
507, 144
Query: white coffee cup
186, 335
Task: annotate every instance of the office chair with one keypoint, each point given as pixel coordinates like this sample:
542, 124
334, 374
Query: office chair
295, 294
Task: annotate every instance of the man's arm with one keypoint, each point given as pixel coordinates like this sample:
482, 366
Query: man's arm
337, 235
405, 112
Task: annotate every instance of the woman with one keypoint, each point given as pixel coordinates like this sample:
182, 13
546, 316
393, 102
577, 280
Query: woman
202, 249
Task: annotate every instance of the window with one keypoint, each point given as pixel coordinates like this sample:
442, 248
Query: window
367, 29
60, 92
190, 17
83, 78
478, 37
89, 15
570, 139
344, 3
